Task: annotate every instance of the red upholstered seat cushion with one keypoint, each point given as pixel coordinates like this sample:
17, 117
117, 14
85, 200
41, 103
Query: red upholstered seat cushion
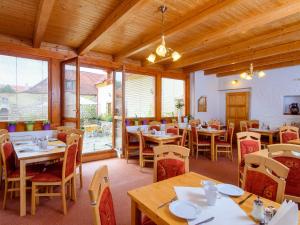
167, 168
261, 185
154, 127
288, 136
106, 208
248, 146
172, 130
148, 150
147, 221
30, 172
134, 143
48, 176
71, 159
9, 157
293, 179
255, 125
203, 142
62, 137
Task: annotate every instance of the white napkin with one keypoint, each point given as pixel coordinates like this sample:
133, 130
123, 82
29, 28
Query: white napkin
286, 214
225, 211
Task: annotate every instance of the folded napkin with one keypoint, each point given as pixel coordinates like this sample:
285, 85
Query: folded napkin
225, 211
286, 214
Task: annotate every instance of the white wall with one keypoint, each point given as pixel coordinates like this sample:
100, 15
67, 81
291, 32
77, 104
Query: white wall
266, 101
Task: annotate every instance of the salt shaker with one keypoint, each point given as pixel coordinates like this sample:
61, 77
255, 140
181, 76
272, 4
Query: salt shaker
258, 209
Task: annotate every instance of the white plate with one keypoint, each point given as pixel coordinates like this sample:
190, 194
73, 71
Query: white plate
229, 189
52, 139
184, 209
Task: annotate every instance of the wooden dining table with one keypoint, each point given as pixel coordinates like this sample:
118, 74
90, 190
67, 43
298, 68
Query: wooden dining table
29, 157
146, 199
159, 139
264, 132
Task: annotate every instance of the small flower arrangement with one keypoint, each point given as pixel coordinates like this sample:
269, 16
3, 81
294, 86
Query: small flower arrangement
179, 104
46, 125
12, 126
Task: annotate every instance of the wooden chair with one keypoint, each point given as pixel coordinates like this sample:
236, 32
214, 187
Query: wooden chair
102, 202
101, 198
226, 145
215, 124
265, 177
2, 131
244, 126
289, 155
184, 136
200, 144
58, 176
247, 142
172, 128
10, 171
146, 153
130, 146
253, 124
288, 133
195, 123
62, 133
170, 161
154, 125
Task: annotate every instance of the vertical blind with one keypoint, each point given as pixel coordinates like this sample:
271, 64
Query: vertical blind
139, 95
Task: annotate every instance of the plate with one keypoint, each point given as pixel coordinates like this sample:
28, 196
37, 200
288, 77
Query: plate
184, 209
52, 139
229, 189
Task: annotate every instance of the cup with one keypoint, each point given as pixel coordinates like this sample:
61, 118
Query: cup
210, 194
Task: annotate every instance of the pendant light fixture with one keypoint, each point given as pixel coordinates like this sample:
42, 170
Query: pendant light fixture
162, 51
251, 73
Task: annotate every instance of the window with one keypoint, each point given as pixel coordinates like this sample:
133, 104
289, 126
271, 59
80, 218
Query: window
139, 95
172, 94
23, 89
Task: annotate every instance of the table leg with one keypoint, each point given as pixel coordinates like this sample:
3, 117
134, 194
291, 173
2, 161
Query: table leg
136, 215
212, 147
22, 188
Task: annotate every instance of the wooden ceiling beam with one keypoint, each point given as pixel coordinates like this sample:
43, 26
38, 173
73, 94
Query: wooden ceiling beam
245, 56
191, 19
265, 67
42, 18
256, 63
290, 8
124, 9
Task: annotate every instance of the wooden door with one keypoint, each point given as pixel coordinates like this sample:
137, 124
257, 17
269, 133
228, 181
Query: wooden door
70, 93
237, 108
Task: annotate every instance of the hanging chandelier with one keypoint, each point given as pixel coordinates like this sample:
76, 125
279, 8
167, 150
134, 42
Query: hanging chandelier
162, 51
251, 73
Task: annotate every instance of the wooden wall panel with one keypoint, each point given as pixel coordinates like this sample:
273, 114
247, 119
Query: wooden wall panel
56, 93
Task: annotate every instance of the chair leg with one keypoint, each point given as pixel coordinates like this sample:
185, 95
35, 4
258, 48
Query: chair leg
63, 198
74, 196
33, 198
12, 192
5, 194
216, 153
231, 152
197, 152
80, 176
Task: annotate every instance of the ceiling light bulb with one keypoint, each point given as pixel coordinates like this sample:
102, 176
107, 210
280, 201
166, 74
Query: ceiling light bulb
261, 74
244, 75
175, 56
151, 58
234, 82
161, 50
248, 77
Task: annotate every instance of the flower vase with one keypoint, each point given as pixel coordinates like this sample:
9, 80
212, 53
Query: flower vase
46, 126
179, 116
11, 128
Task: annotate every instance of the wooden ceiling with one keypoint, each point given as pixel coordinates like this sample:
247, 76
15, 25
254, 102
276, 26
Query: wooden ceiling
218, 36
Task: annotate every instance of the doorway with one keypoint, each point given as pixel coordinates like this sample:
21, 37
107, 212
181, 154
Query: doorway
237, 108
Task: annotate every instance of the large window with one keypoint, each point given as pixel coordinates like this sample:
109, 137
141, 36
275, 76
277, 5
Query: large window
139, 95
23, 89
172, 95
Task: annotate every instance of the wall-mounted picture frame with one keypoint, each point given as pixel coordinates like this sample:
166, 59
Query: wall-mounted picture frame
202, 104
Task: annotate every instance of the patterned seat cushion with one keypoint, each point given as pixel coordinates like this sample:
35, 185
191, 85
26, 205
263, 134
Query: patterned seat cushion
261, 185
106, 208
50, 176
293, 179
288, 136
167, 168
62, 137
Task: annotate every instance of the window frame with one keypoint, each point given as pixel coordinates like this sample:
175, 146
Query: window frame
49, 61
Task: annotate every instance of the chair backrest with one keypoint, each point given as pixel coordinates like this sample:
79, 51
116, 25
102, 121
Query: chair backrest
101, 198
215, 124
62, 133
80, 143
194, 134
154, 123
265, 177
243, 126
172, 130
288, 133
289, 155
154, 127
184, 135
247, 142
69, 163
230, 132
142, 143
3, 131
8, 154
170, 161
253, 123
195, 122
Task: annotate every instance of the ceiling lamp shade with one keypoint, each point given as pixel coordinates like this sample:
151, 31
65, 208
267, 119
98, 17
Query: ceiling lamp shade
251, 73
162, 51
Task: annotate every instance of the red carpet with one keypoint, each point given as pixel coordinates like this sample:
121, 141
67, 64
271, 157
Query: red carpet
123, 177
